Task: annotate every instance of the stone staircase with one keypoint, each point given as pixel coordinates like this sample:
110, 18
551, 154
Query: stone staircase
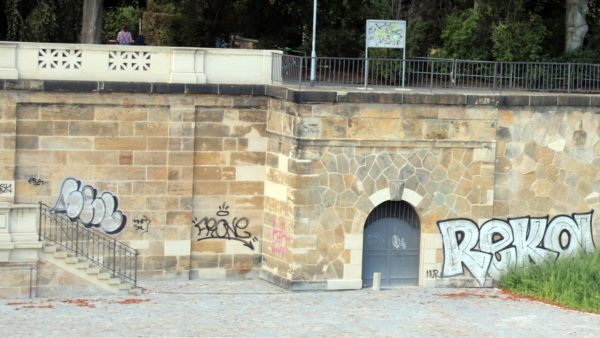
86, 270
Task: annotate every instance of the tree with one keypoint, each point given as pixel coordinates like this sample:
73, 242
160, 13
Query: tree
14, 21
91, 26
575, 25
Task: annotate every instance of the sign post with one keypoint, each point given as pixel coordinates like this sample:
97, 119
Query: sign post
385, 34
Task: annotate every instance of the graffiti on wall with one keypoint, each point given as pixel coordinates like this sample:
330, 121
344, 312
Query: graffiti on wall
221, 228
142, 224
435, 274
83, 203
499, 245
36, 181
6, 188
280, 242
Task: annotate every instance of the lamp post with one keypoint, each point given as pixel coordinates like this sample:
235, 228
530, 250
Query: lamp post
313, 54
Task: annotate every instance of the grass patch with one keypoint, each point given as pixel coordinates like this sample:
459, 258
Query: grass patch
572, 282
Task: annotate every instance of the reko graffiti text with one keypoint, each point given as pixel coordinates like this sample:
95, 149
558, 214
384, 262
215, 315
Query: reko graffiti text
515, 242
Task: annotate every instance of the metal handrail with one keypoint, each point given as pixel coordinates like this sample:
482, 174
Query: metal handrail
439, 73
110, 255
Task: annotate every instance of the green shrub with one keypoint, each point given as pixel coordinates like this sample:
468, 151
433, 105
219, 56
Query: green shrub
466, 35
519, 41
571, 281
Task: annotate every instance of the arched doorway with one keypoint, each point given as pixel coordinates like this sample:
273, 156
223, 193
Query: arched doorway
391, 242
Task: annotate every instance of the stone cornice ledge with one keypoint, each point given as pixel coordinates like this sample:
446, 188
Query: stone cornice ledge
306, 96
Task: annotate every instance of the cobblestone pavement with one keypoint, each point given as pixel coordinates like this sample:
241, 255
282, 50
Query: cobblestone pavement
256, 308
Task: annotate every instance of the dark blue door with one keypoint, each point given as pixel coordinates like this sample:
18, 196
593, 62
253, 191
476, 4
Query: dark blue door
391, 245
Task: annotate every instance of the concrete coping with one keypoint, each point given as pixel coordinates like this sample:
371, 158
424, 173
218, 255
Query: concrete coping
317, 96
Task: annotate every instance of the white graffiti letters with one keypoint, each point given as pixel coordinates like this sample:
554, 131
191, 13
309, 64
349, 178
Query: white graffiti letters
515, 242
81, 203
459, 251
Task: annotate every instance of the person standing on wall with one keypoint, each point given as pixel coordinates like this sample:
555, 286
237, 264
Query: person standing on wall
124, 36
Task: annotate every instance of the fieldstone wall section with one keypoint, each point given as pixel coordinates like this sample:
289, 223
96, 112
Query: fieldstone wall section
548, 161
355, 157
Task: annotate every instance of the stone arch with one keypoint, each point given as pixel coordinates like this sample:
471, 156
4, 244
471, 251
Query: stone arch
354, 241
383, 195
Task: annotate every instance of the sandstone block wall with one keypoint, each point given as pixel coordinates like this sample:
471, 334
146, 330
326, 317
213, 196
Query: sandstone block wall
7, 146
142, 149
229, 175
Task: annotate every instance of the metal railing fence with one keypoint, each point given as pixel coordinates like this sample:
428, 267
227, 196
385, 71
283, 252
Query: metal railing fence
107, 253
438, 73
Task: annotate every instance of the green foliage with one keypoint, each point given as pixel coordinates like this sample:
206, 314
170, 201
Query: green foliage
42, 20
14, 21
40, 25
68, 22
466, 35
571, 281
179, 23
114, 18
519, 41
418, 39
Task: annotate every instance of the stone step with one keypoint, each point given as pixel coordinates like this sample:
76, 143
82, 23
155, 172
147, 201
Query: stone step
49, 249
93, 271
61, 254
135, 291
125, 286
72, 260
104, 276
82, 265
114, 281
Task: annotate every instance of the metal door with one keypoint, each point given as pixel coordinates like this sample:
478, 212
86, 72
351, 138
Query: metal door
391, 245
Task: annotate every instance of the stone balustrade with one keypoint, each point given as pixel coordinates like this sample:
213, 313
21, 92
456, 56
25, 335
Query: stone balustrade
18, 232
78, 62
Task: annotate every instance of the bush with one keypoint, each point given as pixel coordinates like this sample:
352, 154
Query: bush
466, 35
571, 281
519, 41
169, 24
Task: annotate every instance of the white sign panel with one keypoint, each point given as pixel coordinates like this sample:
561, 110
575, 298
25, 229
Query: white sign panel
386, 33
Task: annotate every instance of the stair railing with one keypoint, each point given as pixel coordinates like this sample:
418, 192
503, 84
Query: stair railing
110, 255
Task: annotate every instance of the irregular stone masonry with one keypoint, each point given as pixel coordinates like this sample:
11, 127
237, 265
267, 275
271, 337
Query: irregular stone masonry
230, 181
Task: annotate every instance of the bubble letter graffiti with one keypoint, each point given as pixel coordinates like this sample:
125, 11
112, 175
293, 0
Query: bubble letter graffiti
513, 243
81, 203
461, 251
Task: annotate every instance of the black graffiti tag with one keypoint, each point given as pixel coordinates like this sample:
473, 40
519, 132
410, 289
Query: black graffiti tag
36, 181
213, 228
142, 224
6, 188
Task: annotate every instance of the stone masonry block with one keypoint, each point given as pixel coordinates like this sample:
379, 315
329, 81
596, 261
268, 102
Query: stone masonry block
353, 242
177, 247
120, 143
66, 143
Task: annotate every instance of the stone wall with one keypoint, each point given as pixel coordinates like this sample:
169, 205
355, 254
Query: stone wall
229, 174
141, 148
356, 156
7, 146
238, 181
17, 280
